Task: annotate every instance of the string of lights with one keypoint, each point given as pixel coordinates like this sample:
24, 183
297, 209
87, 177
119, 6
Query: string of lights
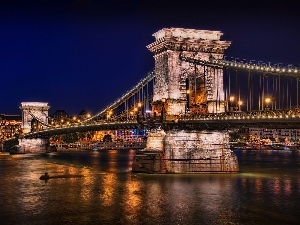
276, 69
123, 98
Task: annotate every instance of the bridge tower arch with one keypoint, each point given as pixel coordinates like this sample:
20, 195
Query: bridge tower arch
182, 86
34, 115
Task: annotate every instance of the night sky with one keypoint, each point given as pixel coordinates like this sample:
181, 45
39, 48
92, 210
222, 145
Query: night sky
85, 54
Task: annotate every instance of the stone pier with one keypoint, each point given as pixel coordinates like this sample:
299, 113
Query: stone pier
34, 145
186, 152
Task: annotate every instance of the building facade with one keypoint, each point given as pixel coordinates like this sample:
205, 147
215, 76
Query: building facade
275, 134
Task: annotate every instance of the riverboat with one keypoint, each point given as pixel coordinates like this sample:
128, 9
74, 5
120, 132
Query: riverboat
285, 147
16, 149
273, 146
119, 145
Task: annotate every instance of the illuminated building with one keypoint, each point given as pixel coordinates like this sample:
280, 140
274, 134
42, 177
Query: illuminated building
10, 126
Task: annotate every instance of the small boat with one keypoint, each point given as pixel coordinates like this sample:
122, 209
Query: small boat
16, 149
45, 176
119, 145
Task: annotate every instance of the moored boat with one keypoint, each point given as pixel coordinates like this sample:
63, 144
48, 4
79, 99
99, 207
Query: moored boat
119, 145
16, 149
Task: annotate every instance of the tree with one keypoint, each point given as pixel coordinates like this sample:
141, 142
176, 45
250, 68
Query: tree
107, 138
70, 138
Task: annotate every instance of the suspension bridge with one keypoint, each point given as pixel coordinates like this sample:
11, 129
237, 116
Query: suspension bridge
189, 102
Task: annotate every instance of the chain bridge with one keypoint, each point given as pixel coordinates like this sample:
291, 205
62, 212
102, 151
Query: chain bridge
190, 100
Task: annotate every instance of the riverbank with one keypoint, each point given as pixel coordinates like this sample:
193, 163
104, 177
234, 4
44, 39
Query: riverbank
273, 146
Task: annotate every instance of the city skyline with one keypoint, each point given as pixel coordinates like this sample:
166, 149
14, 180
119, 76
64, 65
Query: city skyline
84, 55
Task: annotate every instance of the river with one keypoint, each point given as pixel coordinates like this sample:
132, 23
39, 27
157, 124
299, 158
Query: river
99, 188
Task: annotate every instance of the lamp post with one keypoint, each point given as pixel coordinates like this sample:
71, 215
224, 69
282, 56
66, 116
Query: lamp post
131, 114
267, 101
163, 109
240, 103
108, 115
139, 111
231, 100
187, 101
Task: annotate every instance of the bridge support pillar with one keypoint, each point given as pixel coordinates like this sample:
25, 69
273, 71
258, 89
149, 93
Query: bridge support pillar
34, 145
186, 151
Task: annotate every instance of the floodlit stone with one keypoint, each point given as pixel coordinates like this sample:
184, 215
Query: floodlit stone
31, 111
186, 88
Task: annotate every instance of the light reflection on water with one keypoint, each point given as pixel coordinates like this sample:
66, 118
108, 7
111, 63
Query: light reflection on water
266, 191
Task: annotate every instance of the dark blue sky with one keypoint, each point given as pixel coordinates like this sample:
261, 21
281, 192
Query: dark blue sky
84, 54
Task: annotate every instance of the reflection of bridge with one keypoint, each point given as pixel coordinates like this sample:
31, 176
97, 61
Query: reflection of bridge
194, 89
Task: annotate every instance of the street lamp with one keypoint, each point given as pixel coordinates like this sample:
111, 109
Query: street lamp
187, 101
267, 101
231, 100
139, 111
240, 103
109, 114
163, 110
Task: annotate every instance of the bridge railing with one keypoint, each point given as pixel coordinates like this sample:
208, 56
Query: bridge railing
255, 114
227, 120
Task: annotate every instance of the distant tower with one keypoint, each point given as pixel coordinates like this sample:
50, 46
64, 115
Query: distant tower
183, 86
34, 114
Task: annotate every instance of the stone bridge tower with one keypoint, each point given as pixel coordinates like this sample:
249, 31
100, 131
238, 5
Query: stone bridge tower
187, 88
34, 118
180, 88
34, 115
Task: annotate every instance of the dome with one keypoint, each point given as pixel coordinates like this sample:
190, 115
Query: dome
83, 113
60, 114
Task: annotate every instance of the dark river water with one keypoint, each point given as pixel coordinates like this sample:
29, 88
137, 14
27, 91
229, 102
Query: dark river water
99, 188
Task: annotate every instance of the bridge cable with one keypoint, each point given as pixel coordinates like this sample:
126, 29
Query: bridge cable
249, 91
297, 92
229, 88
126, 96
43, 123
260, 67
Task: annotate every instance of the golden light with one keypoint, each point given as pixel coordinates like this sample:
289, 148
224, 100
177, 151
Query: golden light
231, 98
188, 91
139, 104
267, 100
135, 109
240, 103
163, 100
74, 118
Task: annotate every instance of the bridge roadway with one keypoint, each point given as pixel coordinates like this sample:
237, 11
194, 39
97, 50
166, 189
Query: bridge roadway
221, 121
